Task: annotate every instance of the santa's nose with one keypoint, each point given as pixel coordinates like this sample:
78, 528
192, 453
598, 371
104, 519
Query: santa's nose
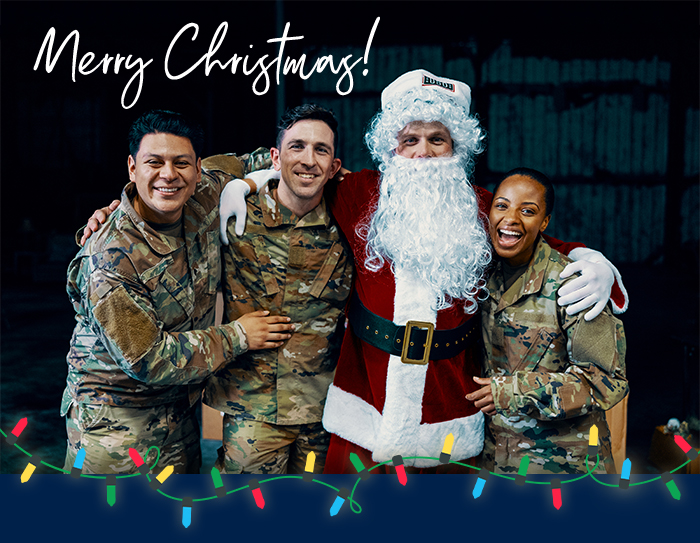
424, 150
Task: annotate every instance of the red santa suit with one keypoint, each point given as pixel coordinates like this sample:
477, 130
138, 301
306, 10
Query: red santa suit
378, 403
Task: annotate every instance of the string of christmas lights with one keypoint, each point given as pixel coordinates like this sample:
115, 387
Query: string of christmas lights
343, 494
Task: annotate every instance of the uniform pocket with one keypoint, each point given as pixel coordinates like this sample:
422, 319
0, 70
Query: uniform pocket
88, 416
172, 298
266, 268
332, 280
181, 292
534, 346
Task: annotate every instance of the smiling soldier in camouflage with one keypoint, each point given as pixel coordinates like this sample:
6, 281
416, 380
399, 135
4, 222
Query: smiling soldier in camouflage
292, 261
550, 376
144, 293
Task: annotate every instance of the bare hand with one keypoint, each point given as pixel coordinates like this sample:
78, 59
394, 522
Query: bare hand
483, 398
340, 175
98, 218
265, 332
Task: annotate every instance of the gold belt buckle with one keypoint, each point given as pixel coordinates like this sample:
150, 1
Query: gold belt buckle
426, 348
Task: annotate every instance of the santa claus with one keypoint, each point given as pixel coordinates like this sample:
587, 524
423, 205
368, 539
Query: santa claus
417, 229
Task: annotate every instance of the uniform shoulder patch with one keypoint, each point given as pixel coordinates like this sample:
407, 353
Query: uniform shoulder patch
594, 342
126, 324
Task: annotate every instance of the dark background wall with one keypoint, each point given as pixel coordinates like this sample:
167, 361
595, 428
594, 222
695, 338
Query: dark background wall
603, 97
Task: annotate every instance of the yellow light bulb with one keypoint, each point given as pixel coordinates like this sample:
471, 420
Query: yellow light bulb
27, 473
593, 438
163, 475
310, 461
447, 449
593, 441
308, 475
449, 441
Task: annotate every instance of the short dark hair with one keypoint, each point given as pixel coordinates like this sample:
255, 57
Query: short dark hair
307, 112
166, 122
535, 175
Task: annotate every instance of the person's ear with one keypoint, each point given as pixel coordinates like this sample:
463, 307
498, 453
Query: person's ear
131, 164
545, 222
275, 156
335, 167
199, 169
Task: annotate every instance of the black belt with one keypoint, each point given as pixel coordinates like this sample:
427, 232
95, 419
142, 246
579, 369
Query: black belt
410, 341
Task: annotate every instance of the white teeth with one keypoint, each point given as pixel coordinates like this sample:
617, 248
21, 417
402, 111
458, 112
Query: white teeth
163, 189
306, 176
510, 233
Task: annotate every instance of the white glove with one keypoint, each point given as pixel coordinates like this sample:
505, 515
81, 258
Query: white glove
260, 179
592, 287
232, 203
232, 200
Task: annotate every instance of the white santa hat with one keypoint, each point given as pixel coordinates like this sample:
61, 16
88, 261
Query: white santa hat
418, 79
422, 96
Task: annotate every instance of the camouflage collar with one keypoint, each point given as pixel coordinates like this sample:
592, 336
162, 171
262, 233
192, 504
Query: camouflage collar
159, 243
275, 214
528, 283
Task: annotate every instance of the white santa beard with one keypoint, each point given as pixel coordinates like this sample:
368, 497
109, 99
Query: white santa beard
427, 221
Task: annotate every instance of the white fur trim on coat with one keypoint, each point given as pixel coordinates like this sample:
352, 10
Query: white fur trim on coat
398, 429
353, 419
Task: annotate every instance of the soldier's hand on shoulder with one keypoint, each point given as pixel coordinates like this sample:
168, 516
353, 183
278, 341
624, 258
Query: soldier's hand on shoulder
232, 200
340, 175
265, 331
99, 217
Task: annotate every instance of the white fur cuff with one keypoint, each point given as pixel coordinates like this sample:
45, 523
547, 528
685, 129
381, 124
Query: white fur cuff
353, 419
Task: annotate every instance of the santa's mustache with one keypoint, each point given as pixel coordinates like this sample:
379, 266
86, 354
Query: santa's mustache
427, 221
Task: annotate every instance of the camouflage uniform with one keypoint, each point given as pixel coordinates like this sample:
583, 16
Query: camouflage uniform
553, 375
144, 338
298, 267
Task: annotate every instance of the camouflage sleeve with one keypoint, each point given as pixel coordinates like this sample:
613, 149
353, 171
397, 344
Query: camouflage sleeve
238, 166
218, 170
595, 380
131, 329
257, 160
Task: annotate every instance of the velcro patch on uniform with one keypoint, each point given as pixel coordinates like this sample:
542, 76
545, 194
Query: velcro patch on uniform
594, 341
126, 324
296, 257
